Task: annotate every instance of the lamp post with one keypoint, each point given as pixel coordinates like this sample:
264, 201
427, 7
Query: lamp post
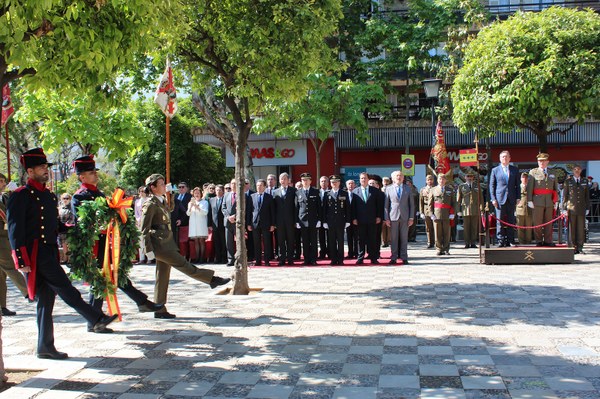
432, 91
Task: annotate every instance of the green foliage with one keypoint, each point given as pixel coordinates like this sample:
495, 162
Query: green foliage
194, 163
329, 105
77, 44
529, 70
106, 183
93, 217
117, 131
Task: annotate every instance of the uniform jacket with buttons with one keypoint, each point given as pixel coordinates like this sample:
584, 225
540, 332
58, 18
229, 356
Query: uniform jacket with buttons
32, 216
336, 209
309, 207
538, 180
522, 208
467, 199
576, 197
156, 225
424, 206
443, 196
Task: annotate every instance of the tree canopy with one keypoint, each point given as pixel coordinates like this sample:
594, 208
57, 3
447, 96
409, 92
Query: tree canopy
529, 71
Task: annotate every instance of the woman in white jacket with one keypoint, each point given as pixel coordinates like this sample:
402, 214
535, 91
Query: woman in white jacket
198, 230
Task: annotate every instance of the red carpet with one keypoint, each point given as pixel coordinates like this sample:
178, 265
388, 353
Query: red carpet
383, 261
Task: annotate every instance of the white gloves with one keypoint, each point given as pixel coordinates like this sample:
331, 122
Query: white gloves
433, 217
12, 186
169, 187
587, 212
422, 216
530, 204
459, 213
150, 255
325, 225
556, 205
297, 225
451, 216
318, 224
564, 212
347, 225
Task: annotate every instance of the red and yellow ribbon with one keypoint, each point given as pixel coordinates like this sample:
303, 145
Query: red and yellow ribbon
110, 268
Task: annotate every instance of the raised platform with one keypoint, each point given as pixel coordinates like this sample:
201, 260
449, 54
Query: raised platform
528, 255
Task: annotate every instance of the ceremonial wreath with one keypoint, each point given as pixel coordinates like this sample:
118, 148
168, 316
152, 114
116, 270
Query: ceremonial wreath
112, 216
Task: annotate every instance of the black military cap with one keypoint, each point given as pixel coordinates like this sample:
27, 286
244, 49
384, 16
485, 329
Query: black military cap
85, 163
33, 158
306, 175
335, 178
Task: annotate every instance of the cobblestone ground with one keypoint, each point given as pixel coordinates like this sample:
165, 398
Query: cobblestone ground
441, 327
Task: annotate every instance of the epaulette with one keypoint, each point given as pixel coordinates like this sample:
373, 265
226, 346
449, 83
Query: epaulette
20, 189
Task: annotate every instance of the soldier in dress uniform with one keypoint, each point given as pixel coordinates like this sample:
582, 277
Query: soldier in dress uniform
7, 266
85, 168
336, 218
524, 216
542, 197
425, 211
158, 238
441, 201
309, 218
470, 205
575, 204
33, 225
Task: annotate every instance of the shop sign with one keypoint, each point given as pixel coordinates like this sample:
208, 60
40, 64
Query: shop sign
274, 153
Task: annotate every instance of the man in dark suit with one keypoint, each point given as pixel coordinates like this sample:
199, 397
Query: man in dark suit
228, 208
323, 234
505, 193
271, 187
376, 182
352, 230
336, 217
180, 217
309, 218
249, 240
260, 220
368, 213
285, 217
217, 225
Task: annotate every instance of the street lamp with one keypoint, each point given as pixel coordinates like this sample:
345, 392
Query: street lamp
432, 91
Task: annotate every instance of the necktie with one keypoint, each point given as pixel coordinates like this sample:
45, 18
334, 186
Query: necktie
180, 197
259, 201
283, 192
577, 181
364, 192
232, 198
505, 171
546, 172
219, 203
399, 191
349, 197
306, 193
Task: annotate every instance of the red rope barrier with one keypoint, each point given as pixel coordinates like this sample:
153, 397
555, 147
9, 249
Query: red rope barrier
531, 227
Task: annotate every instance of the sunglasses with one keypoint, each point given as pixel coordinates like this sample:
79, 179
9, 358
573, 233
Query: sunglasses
181, 186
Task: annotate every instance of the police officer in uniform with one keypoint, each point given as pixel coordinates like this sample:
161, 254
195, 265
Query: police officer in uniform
158, 238
85, 168
7, 266
442, 200
523, 212
467, 198
425, 211
32, 213
542, 197
309, 218
576, 203
336, 218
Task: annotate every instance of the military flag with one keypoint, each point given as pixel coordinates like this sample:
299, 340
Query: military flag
438, 152
166, 94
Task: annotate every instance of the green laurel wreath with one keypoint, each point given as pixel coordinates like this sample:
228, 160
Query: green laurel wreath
92, 218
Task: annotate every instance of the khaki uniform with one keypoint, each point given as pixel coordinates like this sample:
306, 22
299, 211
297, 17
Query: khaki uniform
7, 265
543, 202
468, 201
524, 218
441, 200
158, 238
576, 200
424, 209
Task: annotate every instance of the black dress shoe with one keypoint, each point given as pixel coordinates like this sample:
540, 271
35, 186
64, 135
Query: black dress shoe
54, 355
473, 245
539, 244
229, 264
100, 326
467, 246
8, 312
291, 262
550, 244
259, 263
392, 262
430, 246
374, 262
360, 262
164, 315
150, 306
104, 330
577, 252
439, 253
216, 281
405, 262
281, 263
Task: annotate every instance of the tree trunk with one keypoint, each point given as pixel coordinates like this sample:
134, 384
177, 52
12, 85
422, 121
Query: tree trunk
542, 140
249, 167
240, 283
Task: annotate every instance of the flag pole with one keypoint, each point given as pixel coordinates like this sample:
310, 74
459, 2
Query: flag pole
7, 155
168, 157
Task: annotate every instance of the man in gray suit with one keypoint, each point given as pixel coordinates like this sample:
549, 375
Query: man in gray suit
398, 213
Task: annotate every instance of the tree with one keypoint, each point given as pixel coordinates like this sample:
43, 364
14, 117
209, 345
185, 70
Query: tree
78, 44
243, 54
117, 131
107, 184
329, 105
529, 71
193, 163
